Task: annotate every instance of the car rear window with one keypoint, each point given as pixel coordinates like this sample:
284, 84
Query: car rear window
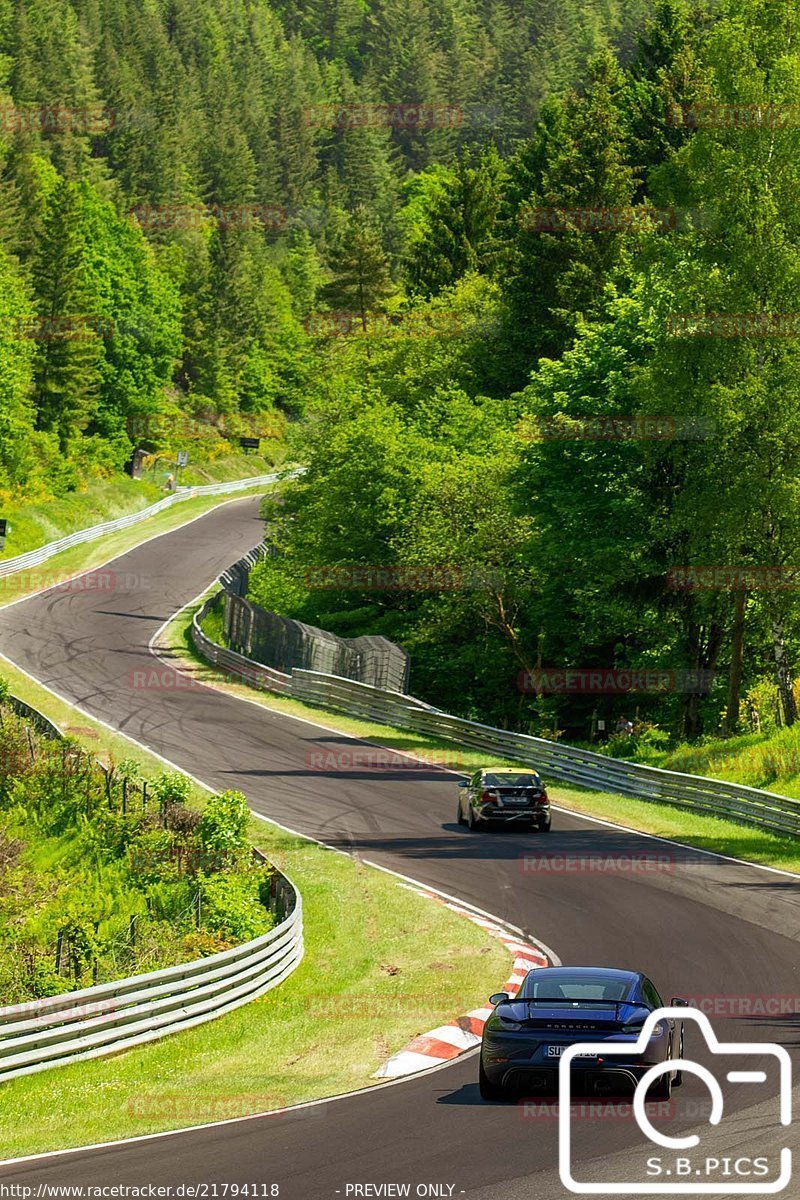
522, 780
576, 988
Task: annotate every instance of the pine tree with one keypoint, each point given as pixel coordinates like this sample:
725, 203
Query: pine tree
566, 191
360, 268
451, 221
66, 376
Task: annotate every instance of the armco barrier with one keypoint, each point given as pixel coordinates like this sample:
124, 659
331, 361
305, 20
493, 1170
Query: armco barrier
35, 557
116, 1016
714, 797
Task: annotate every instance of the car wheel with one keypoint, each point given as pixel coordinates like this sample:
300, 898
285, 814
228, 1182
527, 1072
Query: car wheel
678, 1080
545, 828
489, 1090
662, 1089
460, 817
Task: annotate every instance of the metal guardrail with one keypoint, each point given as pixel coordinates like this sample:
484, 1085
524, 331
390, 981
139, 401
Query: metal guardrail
714, 797
35, 557
585, 768
117, 1016
111, 1017
236, 666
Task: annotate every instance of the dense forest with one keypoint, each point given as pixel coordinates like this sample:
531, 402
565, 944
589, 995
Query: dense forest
520, 276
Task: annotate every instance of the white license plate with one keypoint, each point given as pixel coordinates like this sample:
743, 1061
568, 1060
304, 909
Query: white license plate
557, 1051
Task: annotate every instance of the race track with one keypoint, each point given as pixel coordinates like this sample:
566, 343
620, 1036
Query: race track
703, 927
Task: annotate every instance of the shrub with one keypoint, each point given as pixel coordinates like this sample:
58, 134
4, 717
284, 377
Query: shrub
230, 907
150, 856
223, 828
170, 787
173, 902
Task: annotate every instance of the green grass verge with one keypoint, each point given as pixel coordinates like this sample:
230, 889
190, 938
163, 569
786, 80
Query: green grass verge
663, 820
35, 524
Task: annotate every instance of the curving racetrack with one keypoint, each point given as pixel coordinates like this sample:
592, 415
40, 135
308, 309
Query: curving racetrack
705, 927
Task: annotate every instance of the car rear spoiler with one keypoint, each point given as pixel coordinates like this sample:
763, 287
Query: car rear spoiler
552, 1000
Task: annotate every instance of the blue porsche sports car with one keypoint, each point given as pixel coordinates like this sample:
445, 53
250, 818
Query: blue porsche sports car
556, 1007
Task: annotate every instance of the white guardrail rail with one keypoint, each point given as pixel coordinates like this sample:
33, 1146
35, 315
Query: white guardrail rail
35, 557
585, 768
112, 1017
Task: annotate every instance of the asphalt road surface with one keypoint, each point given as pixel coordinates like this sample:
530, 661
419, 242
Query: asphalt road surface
699, 926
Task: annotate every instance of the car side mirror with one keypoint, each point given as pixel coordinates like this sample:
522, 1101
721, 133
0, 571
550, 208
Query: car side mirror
463, 783
499, 998
677, 1002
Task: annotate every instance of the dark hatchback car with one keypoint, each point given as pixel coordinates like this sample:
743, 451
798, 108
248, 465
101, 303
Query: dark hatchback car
556, 1007
504, 795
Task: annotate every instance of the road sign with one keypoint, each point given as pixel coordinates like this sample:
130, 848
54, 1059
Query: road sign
183, 458
4, 529
249, 443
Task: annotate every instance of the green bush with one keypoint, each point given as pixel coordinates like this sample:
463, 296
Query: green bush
229, 906
223, 828
171, 787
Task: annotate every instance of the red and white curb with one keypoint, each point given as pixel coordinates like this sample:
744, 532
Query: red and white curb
456, 1037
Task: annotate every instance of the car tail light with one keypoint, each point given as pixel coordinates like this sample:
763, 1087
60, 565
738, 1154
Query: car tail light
488, 797
543, 798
